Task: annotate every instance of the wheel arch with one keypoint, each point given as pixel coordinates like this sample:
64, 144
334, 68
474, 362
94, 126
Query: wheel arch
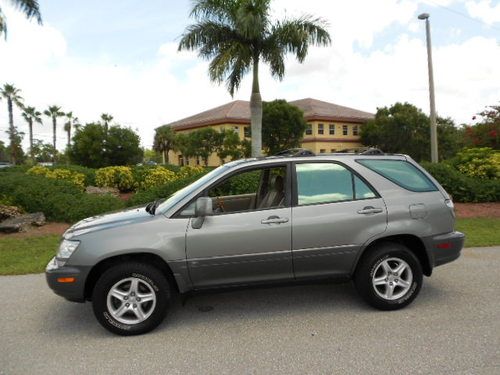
143, 257
412, 242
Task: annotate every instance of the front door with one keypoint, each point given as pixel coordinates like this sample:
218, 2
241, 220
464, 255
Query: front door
335, 212
248, 238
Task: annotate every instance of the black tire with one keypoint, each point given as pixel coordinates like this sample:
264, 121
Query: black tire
149, 277
372, 262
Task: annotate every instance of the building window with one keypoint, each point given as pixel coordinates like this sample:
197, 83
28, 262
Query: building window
355, 130
181, 160
332, 129
344, 130
333, 150
322, 151
309, 129
247, 132
237, 129
321, 129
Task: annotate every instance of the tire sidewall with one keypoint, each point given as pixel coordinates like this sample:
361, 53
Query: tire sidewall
148, 274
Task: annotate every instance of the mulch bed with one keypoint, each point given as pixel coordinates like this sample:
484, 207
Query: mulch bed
469, 210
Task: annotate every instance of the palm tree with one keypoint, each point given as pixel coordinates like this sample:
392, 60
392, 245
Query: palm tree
106, 119
237, 34
31, 115
72, 121
28, 7
164, 141
54, 112
11, 93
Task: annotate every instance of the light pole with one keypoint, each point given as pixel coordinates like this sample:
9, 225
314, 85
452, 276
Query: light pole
434, 145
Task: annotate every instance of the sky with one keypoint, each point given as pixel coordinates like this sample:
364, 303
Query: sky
120, 57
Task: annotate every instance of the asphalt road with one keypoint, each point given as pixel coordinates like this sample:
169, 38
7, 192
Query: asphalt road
452, 328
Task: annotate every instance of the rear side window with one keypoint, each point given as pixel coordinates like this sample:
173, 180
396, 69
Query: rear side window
401, 173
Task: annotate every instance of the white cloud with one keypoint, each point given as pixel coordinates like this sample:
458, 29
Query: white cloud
175, 85
484, 10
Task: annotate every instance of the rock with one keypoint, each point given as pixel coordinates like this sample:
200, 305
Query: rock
6, 212
102, 190
22, 223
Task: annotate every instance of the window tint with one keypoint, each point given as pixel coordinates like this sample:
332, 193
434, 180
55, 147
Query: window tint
322, 183
362, 191
400, 172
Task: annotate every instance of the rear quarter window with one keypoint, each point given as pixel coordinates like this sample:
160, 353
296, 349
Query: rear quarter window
401, 173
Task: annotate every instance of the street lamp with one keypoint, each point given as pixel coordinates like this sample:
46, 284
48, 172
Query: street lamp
434, 146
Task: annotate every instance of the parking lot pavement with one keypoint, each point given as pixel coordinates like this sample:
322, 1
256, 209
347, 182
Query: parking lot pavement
452, 328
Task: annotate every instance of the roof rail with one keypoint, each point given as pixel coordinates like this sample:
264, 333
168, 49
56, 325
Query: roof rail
362, 151
295, 152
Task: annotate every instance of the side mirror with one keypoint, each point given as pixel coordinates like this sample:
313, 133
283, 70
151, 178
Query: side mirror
202, 208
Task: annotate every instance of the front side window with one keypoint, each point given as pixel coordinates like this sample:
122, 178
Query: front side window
328, 183
401, 173
251, 190
321, 129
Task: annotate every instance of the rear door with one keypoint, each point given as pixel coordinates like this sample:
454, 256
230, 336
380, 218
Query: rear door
335, 211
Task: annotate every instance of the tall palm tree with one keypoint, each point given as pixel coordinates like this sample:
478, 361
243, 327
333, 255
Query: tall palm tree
72, 121
164, 141
13, 97
54, 112
106, 119
29, 7
31, 115
237, 34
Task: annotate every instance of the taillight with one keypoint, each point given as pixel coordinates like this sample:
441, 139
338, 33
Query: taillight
450, 205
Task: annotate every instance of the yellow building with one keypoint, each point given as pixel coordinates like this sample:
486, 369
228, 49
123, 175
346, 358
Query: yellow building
330, 127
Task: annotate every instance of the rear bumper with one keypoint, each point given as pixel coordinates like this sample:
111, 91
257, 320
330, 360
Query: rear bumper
445, 248
72, 291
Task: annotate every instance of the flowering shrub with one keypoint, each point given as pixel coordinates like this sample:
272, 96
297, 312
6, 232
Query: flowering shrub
158, 176
117, 177
480, 162
190, 170
76, 178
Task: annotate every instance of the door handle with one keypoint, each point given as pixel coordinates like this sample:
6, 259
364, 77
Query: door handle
370, 210
274, 220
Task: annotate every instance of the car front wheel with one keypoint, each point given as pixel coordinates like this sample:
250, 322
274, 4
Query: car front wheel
131, 298
389, 277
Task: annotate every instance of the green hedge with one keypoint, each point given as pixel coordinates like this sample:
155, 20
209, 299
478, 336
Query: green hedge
59, 200
463, 188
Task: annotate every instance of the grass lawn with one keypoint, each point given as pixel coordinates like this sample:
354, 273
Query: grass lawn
31, 254
26, 255
480, 231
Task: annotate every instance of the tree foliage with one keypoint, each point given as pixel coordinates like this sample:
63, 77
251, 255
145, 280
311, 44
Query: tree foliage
487, 132
93, 148
164, 141
404, 128
283, 126
30, 9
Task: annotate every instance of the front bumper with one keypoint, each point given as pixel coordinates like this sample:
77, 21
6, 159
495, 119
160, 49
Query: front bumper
445, 248
73, 291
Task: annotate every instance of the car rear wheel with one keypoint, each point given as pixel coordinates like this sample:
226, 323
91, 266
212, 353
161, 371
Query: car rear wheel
389, 277
131, 298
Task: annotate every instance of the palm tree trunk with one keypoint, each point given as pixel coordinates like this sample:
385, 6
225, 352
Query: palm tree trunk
163, 156
54, 139
256, 111
11, 132
69, 136
166, 156
30, 124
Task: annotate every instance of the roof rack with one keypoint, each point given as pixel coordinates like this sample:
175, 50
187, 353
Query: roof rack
295, 152
362, 151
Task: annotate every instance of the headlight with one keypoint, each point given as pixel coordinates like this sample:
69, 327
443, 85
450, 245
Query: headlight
67, 248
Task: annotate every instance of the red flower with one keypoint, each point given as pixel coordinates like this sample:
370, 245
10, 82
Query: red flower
493, 133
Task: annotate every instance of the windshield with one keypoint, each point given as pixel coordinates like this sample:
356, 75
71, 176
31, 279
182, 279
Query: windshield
184, 192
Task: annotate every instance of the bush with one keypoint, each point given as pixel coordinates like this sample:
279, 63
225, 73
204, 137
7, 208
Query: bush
59, 200
89, 173
59, 174
158, 176
190, 170
117, 177
480, 162
463, 188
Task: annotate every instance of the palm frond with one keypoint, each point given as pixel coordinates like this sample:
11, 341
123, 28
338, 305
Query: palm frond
215, 10
29, 7
297, 35
208, 37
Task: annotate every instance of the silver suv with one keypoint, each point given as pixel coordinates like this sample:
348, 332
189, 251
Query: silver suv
381, 221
